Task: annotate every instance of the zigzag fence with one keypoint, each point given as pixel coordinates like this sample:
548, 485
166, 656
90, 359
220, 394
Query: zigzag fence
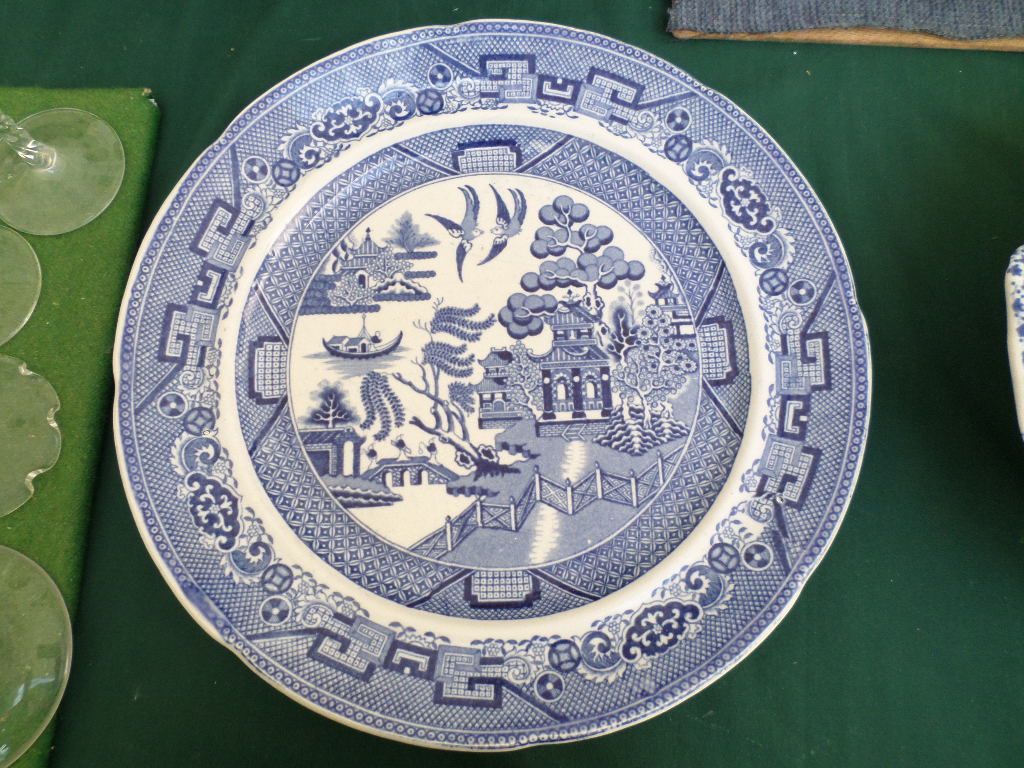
632, 490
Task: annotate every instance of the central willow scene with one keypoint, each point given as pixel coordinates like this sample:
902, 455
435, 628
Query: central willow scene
496, 371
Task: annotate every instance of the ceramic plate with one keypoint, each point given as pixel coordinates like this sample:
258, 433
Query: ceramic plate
491, 385
1015, 329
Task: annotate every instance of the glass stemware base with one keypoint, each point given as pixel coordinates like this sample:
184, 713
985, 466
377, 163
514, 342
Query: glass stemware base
79, 177
35, 652
20, 282
29, 435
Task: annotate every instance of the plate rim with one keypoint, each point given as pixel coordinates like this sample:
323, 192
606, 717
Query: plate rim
1013, 284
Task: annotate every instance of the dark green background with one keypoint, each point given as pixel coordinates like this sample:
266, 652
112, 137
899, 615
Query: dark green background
905, 648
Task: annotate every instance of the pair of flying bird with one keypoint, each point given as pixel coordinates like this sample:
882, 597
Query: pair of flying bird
506, 225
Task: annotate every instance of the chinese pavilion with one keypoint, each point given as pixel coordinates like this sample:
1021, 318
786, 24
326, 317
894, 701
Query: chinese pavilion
575, 374
575, 379
345, 259
665, 297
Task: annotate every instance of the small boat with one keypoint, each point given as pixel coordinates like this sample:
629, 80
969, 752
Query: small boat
362, 346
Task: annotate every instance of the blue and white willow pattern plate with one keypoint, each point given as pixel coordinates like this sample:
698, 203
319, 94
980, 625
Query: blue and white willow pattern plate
1015, 329
491, 385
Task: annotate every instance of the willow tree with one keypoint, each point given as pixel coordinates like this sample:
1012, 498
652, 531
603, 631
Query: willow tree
445, 364
380, 404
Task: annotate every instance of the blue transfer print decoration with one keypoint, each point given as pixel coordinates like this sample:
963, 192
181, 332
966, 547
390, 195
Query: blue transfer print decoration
657, 628
402, 447
1015, 329
214, 509
744, 202
348, 119
530, 425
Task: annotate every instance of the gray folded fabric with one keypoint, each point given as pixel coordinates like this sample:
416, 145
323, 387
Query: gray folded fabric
962, 19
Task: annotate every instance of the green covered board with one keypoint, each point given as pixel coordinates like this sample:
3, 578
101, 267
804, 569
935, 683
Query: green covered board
69, 340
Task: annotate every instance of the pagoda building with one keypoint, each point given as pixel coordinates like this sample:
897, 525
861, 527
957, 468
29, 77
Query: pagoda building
345, 259
664, 296
575, 373
498, 406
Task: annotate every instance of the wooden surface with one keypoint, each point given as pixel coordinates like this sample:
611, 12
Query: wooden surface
863, 36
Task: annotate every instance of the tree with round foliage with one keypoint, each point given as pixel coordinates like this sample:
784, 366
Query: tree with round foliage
652, 371
576, 253
351, 291
523, 376
523, 315
386, 265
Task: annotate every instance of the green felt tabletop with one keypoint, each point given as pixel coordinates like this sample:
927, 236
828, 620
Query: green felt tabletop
904, 648
69, 339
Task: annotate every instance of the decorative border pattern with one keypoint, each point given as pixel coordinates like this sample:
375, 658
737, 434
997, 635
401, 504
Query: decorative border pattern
798, 492
1015, 329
